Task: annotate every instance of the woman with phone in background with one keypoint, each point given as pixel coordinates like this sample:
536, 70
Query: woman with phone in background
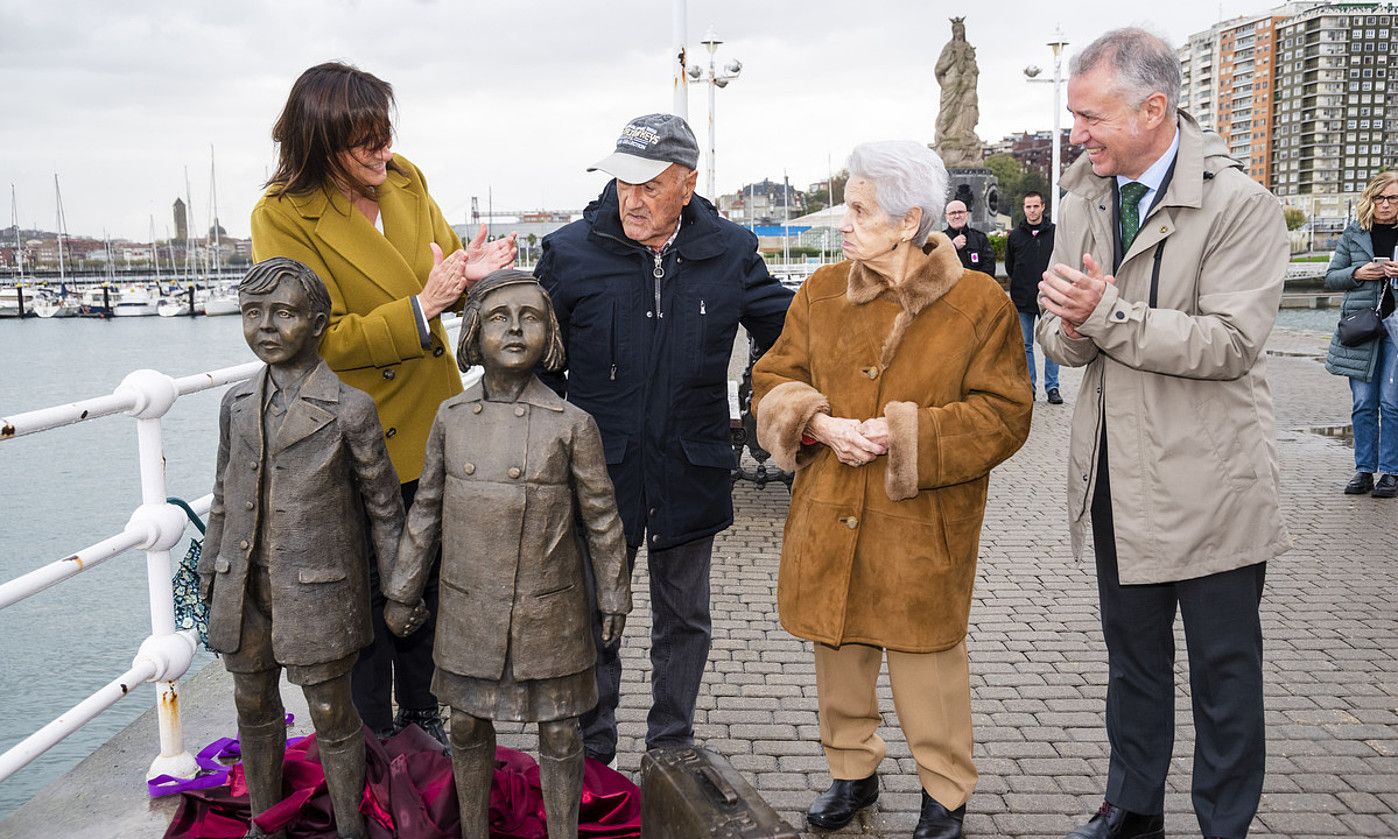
1363, 267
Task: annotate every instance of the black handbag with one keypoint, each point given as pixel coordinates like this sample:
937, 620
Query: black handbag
1361, 327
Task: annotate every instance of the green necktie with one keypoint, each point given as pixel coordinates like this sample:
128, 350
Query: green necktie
1131, 195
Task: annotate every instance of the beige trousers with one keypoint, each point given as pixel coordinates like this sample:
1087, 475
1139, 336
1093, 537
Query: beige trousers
932, 697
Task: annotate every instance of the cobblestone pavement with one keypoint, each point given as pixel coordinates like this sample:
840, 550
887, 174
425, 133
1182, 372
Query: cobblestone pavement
1038, 662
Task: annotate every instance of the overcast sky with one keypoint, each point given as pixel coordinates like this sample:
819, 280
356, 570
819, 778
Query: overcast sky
517, 97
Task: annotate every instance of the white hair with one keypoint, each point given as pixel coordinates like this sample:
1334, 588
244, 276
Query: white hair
905, 174
1141, 62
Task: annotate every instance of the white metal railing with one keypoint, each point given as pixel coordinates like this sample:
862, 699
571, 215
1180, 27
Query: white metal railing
155, 527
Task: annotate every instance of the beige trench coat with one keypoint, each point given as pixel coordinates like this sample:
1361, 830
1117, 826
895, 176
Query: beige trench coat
1182, 383
502, 486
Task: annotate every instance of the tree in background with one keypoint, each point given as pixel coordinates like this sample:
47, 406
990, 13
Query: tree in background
1295, 218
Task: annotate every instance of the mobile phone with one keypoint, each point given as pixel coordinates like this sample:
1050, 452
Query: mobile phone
1381, 259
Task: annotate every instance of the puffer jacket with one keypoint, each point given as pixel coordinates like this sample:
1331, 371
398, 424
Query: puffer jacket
1356, 247
648, 338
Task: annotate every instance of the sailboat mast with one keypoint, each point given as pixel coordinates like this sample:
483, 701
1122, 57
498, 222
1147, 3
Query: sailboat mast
154, 248
191, 266
14, 220
62, 229
213, 208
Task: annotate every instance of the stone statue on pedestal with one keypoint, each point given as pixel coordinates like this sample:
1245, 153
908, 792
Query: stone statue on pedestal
959, 110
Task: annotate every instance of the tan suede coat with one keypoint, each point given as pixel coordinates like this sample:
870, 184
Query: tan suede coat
885, 554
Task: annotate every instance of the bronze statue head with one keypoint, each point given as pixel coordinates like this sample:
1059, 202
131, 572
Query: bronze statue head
470, 349
285, 309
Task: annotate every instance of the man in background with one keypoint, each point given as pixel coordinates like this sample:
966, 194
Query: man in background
972, 246
1027, 253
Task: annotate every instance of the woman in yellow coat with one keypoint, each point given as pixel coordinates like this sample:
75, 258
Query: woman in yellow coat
897, 384
361, 217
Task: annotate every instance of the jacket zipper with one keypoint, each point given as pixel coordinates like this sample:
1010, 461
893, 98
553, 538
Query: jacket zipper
658, 272
616, 327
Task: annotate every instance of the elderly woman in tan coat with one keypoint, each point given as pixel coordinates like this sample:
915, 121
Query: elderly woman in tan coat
898, 383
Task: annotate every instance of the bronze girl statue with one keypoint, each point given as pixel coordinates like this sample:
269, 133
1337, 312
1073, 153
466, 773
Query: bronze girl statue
510, 470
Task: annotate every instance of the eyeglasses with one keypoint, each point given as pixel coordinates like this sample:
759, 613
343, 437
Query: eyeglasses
963, 212
1386, 199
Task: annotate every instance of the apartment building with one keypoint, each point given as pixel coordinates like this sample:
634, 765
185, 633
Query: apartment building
1335, 124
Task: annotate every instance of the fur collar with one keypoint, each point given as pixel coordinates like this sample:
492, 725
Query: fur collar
924, 285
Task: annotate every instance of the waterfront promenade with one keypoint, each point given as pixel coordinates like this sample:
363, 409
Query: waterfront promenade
1037, 662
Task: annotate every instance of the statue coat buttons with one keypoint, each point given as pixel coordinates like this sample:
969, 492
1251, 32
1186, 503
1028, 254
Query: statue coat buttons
514, 472
469, 468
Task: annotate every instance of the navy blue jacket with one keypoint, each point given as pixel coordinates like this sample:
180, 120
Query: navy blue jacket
648, 357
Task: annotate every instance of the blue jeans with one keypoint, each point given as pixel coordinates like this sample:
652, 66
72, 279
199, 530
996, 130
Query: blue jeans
1375, 414
1026, 328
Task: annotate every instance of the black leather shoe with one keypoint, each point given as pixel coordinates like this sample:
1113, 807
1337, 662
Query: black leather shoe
835, 808
1054, 397
936, 821
1387, 487
1116, 823
426, 719
1360, 484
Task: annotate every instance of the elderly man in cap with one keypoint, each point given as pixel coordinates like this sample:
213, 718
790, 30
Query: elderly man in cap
649, 288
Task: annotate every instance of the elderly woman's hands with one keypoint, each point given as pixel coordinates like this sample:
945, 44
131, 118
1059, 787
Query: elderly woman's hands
846, 438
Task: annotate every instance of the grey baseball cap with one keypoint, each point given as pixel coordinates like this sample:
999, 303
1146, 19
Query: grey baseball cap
647, 146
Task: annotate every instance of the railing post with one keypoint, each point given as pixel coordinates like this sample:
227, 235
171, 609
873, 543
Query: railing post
172, 652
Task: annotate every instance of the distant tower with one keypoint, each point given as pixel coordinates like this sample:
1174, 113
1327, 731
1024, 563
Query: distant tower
181, 221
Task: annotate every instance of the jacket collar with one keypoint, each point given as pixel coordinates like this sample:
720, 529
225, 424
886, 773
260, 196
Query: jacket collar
304, 416
922, 287
1202, 155
336, 224
700, 235
535, 393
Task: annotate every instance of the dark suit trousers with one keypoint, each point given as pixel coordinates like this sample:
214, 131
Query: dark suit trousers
1223, 637
679, 650
391, 662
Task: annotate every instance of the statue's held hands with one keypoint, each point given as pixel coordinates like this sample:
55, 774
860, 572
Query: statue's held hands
403, 620
612, 627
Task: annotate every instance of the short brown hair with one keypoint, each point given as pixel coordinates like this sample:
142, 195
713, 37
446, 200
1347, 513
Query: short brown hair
332, 108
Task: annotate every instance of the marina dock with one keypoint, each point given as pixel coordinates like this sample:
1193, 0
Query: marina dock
1037, 662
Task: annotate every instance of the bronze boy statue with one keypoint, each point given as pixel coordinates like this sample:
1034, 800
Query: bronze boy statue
301, 464
510, 468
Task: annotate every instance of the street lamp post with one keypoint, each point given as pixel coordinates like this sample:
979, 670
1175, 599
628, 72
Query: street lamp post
1057, 45
716, 79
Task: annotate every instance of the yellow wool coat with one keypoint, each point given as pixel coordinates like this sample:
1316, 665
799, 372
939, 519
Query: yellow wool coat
885, 554
372, 342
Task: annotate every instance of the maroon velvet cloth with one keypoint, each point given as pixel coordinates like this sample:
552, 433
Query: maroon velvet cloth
409, 794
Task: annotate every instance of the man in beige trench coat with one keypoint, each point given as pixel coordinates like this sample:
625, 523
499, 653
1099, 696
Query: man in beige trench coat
1164, 283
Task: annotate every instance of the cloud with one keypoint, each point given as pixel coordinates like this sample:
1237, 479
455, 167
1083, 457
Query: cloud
511, 98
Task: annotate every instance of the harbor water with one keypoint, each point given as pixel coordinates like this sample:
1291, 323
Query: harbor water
65, 489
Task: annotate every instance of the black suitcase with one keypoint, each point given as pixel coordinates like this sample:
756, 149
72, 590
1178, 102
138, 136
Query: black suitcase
694, 793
